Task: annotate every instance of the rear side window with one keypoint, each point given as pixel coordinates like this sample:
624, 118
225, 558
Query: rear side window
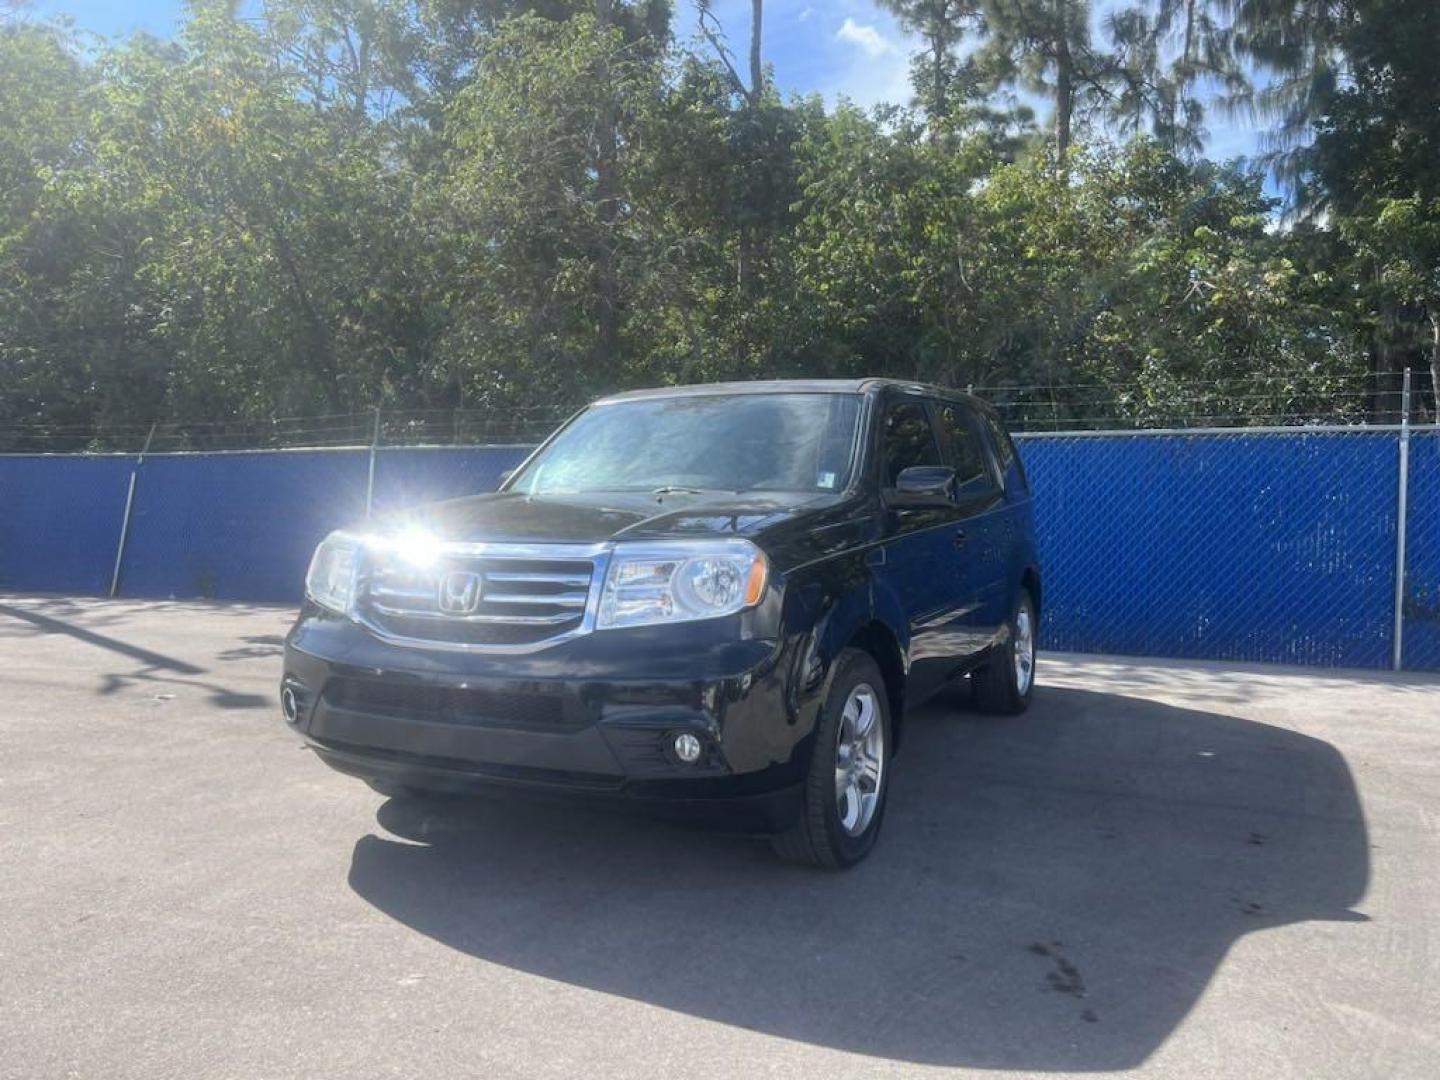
963, 451
1004, 446
908, 440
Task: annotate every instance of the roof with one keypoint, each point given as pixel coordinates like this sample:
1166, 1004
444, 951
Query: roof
782, 386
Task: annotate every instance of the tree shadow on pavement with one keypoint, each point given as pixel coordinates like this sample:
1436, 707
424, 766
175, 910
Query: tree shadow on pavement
256, 647
1052, 892
154, 667
49, 624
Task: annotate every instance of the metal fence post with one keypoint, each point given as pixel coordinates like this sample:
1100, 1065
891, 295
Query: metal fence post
1402, 513
370, 477
125, 520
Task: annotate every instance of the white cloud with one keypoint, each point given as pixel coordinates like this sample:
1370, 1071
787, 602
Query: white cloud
866, 37
805, 15
873, 65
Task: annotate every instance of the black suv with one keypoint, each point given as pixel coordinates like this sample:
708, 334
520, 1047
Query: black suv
721, 598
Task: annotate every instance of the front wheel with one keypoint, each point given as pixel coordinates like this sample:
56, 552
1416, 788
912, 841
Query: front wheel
1005, 682
849, 771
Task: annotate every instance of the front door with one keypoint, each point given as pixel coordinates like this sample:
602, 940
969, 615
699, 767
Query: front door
919, 553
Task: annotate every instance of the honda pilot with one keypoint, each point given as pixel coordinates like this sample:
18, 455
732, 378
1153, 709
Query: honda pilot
723, 598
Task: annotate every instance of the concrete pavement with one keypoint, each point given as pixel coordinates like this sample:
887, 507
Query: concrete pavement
1170, 869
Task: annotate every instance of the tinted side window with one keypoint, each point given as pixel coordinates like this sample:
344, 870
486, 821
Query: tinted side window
1004, 445
908, 440
963, 451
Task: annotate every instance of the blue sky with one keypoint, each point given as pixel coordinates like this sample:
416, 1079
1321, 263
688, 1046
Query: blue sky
831, 47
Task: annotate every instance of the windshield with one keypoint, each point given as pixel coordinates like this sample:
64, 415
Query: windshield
709, 442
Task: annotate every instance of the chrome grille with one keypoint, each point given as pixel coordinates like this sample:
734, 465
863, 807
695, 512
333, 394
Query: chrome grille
528, 595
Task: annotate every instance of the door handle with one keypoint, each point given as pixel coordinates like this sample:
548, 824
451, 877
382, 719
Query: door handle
960, 538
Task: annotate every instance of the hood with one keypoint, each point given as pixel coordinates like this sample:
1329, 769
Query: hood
598, 516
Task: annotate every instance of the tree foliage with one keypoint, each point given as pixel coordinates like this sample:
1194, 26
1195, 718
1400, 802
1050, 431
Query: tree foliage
1372, 167
508, 203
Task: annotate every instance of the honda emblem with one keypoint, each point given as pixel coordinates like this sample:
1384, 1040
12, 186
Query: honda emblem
460, 592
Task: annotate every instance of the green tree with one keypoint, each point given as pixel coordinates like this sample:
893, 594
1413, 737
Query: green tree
279, 255
1166, 51
952, 86
74, 309
497, 203
1297, 46
541, 211
1138, 274
942, 25
1372, 167
1045, 47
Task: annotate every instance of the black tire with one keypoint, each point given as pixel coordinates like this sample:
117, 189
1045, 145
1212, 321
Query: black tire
818, 837
995, 686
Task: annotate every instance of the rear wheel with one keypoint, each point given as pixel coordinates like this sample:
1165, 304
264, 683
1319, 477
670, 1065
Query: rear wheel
848, 776
1005, 682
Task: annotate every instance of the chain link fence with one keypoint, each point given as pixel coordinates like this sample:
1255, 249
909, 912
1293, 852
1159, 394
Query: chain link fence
379, 427
1292, 400
1421, 614
1276, 542
60, 521
1272, 545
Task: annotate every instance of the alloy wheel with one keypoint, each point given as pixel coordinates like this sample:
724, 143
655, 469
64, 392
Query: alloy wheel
1024, 649
859, 760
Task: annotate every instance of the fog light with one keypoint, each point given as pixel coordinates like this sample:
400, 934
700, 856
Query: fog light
687, 748
290, 704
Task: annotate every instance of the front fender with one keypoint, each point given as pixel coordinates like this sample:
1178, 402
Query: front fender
839, 602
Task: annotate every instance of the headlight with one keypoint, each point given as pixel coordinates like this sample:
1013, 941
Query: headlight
330, 581
680, 582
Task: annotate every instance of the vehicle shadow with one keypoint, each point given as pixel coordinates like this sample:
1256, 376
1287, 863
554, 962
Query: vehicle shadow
1052, 892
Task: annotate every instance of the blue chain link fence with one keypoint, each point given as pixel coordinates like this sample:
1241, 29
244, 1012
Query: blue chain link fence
236, 526
1275, 546
1422, 555
1231, 546
225, 526
243, 526
60, 521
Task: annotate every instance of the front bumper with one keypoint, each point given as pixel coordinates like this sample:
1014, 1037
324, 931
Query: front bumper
593, 716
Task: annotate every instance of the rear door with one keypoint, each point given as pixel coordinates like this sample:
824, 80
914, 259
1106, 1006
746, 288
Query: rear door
1016, 535
983, 528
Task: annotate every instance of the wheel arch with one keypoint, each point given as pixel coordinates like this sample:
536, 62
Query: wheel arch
858, 613
1030, 580
880, 642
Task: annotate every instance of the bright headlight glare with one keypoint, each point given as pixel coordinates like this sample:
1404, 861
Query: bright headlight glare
415, 546
330, 581
681, 583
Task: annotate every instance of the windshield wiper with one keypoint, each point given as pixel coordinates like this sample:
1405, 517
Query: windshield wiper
685, 489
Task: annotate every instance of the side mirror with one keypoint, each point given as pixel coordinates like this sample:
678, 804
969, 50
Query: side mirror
923, 485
